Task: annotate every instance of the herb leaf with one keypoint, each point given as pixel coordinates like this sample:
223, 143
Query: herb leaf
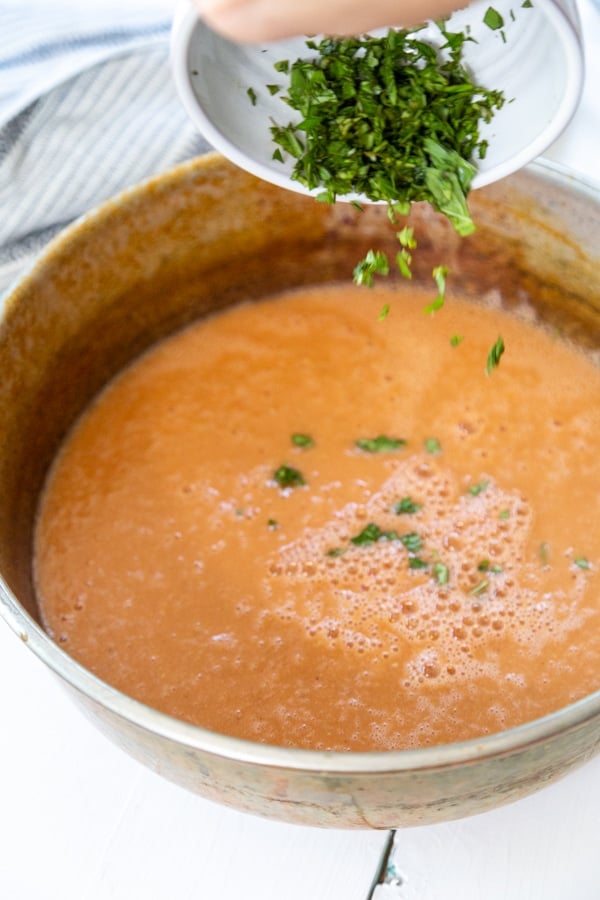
372, 533
374, 263
302, 440
380, 444
286, 476
407, 506
494, 356
493, 19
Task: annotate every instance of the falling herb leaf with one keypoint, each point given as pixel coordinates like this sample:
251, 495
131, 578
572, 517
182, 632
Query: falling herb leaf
404, 262
493, 360
439, 276
302, 440
407, 506
374, 263
380, 444
407, 237
286, 476
384, 312
336, 551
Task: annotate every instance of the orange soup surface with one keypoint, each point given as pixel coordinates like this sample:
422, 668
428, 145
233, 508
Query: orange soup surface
300, 524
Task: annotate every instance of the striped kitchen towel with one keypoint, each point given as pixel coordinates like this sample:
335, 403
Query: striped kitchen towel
87, 108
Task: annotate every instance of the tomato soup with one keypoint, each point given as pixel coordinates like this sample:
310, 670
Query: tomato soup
305, 523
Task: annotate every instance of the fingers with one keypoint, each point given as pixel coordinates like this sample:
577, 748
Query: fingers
251, 21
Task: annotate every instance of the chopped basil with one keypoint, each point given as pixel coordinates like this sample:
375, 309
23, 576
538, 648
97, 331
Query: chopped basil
504, 514
273, 89
380, 444
581, 562
494, 355
493, 19
407, 506
439, 276
388, 117
412, 541
374, 263
252, 94
286, 476
477, 489
480, 588
372, 533
486, 566
384, 312
456, 339
415, 562
441, 572
432, 445
302, 440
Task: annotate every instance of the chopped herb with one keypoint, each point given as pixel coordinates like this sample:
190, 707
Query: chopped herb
273, 89
439, 276
504, 514
380, 444
415, 562
493, 19
480, 588
273, 524
384, 312
432, 445
456, 339
404, 262
486, 566
477, 489
407, 506
441, 573
407, 237
302, 440
582, 562
372, 533
252, 94
337, 551
374, 263
527, 4
493, 360
282, 66
412, 541
286, 476
387, 117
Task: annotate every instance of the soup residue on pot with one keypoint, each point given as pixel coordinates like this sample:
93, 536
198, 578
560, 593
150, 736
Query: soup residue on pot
297, 524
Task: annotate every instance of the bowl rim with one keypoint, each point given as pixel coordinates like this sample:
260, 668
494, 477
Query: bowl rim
243, 751
187, 20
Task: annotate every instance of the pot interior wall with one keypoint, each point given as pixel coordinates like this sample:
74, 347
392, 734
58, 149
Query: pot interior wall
208, 235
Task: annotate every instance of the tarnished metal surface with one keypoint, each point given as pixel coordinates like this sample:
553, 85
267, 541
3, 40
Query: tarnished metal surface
197, 239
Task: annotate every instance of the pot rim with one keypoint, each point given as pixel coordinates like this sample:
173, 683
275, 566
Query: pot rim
240, 750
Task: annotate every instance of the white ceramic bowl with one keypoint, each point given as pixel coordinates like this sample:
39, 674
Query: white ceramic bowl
537, 60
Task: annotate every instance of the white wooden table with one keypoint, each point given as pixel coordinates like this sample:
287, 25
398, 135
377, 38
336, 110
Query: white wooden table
81, 821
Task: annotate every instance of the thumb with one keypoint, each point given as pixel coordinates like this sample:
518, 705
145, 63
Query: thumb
251, 21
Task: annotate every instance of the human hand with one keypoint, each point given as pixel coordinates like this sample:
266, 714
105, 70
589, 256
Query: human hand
250, 21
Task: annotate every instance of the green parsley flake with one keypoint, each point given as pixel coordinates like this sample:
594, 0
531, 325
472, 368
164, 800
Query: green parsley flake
384, 312
477, 489
493, 19
433, 446
412, 541
252, 94
380, 444
441, 572
456, 339
415, 562
407, 506
372, 533
302, 440
286, 476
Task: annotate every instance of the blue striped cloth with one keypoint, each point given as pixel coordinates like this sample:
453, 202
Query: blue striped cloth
87, 108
